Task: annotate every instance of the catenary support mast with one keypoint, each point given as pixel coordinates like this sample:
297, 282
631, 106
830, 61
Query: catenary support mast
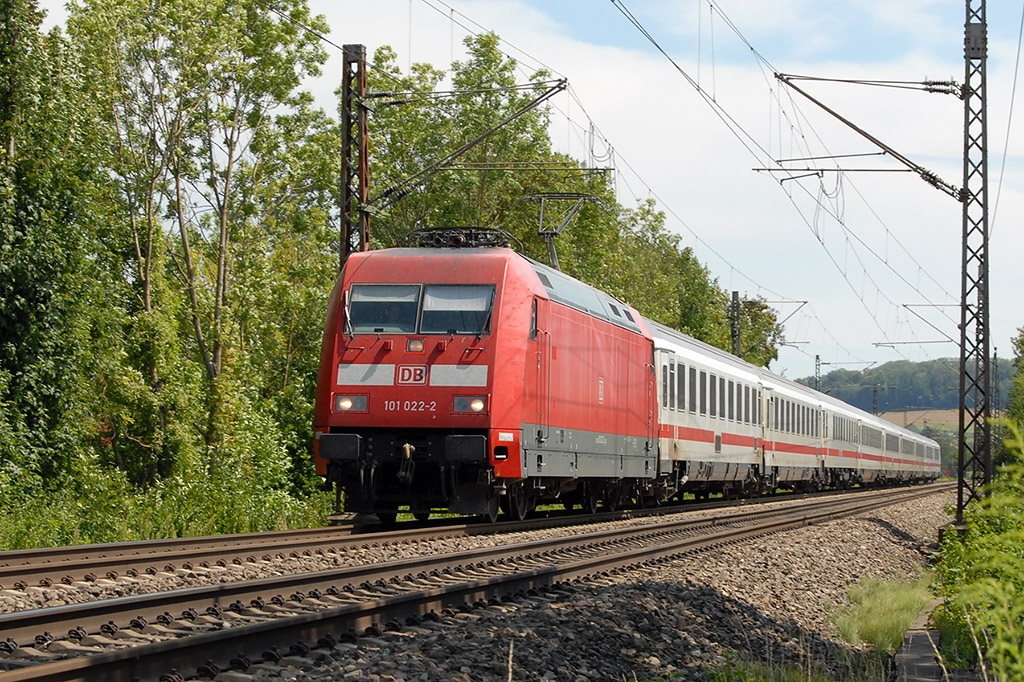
355, 168
974, 444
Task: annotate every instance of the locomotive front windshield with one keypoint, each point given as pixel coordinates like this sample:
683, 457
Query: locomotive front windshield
423, 309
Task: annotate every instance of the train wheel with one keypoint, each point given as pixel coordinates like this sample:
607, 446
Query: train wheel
421, 515
491, 515
386, 517
590, 499
516, 503
612, 497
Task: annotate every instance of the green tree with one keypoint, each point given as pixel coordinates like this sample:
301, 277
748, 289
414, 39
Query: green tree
50, 252
1015, 405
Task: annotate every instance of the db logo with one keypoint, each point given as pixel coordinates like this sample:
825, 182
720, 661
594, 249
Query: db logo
412, 374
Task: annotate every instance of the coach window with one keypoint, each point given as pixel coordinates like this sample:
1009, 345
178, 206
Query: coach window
387, 308
693, 389
732, 402
672, 384
664, 385
703, 392
746, 404
713, 397
457, 308
679, 386
721, 397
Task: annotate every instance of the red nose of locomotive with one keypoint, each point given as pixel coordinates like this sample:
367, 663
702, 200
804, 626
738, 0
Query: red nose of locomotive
407, 402
413, 356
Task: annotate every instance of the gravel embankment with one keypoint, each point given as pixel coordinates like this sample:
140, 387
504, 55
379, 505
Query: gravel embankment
767, 600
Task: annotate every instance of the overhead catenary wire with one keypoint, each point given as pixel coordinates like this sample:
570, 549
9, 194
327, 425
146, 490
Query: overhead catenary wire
698, 239
750, 143
1009, 125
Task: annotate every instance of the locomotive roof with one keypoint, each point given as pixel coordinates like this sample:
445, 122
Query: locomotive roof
588, 299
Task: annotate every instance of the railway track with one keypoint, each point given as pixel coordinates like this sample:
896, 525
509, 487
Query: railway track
142, 638
48, 566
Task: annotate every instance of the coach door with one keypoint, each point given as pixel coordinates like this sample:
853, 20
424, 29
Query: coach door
541, 338
767, 433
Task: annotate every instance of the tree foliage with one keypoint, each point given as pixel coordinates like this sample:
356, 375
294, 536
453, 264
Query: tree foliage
1015, 395
903, 384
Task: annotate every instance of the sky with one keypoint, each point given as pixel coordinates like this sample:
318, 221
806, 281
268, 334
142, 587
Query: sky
864, 267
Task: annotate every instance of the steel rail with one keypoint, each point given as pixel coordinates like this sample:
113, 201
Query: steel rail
150, 660
49, 565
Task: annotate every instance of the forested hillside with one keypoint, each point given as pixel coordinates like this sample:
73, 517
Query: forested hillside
168, 239
907, 385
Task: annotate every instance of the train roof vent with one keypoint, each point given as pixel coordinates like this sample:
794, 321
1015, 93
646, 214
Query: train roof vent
458, 237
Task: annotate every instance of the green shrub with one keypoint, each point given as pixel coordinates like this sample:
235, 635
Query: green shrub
981, 576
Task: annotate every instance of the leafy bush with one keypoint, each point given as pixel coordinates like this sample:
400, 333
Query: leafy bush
981, 576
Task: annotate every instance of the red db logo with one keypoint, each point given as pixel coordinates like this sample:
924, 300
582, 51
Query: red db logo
412, 374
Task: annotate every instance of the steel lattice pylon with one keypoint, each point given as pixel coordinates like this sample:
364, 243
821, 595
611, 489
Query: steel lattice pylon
974, 447
354, 174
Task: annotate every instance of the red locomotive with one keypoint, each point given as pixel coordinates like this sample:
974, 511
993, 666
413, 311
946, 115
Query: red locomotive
466, 377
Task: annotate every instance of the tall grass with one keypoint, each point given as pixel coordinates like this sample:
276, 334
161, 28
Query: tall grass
96, 504
881, 612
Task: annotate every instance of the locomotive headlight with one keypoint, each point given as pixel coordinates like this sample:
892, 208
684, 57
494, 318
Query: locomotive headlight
469, 404
414, 345
350, 403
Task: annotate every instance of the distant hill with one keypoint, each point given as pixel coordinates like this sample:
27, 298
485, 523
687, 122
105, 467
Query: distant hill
904, 385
